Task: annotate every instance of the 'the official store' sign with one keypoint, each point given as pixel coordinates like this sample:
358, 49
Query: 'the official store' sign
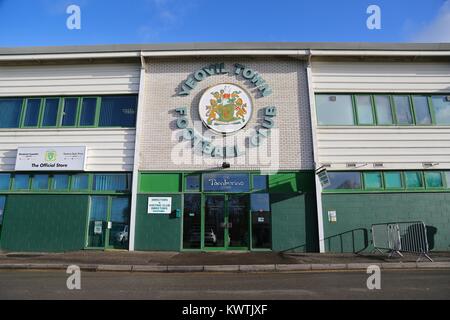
50, 158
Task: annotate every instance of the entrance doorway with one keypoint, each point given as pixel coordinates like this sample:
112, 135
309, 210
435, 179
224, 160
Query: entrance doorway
108, 226
226, 221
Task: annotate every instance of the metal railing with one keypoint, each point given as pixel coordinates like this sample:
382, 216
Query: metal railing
398, 237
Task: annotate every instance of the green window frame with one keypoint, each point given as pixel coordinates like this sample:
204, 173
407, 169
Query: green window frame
414, 180
393, 180
373, 180
19, 117
433, 180
365, 108
40, 182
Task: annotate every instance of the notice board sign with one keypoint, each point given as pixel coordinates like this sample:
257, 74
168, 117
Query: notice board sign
50, 158
159, 205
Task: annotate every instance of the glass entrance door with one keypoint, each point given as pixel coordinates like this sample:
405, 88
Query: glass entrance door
226, 223
108, 225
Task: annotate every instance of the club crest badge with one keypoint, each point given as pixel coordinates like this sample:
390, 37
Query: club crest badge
225, 108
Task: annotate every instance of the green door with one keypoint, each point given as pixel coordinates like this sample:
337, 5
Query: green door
2, 210
226, 222
108, 226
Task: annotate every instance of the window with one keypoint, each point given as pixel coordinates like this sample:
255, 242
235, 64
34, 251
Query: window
88, 109
50, 114
69, 114
373, 180
80, 182
259, 182
344, 180
383, 109
433, 179
32, 113
364, 110
10, 110
192, 221
39, 182
403, 110
21, 182
193, 182
112, 182
334, 109
447, 178
4, 181
413, 179
441, 110
60, 182
421, 110
393, 180
118, 111
260, 216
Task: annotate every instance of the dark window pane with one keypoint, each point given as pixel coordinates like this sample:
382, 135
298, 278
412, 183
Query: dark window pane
344, 180
50, 112
364, 110
60, 182
80, 182
421, 110
4, 181
2, 208
10, 110
403, 110
441, 110
334, 109
118, 111
433, 179
261, 224
192, 221
372, 180
193, 182
32, 113
21, 182
87, 117
413, 179
383, 108
69, 112
259, 182
39, 182
111, 182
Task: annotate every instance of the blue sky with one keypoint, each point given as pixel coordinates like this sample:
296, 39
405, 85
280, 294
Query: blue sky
43, 22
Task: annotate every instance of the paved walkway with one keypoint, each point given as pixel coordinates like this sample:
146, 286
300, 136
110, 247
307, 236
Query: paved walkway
212, 261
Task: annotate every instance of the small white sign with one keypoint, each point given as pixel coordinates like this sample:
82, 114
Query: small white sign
159, 205
332, 216
50, 158
98, 227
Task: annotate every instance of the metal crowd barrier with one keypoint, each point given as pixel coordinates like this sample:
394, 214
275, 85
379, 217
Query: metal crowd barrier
398, 237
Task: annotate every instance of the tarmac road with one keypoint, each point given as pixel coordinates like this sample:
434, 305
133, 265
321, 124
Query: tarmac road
395, 284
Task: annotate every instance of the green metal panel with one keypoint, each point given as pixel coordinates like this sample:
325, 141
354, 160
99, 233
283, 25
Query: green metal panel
294, 222
356, 212
292, 182
158, 231
44, 222
160, 182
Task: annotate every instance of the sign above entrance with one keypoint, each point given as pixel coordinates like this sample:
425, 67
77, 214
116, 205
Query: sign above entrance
225, 108
223, 182
50, 158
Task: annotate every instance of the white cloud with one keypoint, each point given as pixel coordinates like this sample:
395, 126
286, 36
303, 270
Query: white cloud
437, 30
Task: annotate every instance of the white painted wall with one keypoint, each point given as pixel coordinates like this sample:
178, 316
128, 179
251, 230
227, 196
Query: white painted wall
397, 147
69, 79
354, 76
108, 149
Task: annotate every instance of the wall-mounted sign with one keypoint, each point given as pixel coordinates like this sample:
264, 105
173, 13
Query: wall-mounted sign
332, 216
215, 109
323, 178
225, 108
223, 182
159, 205
50, 158
98, 227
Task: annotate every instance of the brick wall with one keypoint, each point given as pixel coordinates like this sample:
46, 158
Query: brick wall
159, 134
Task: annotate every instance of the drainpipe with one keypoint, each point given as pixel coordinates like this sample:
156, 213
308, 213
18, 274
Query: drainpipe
136, 159
316, 158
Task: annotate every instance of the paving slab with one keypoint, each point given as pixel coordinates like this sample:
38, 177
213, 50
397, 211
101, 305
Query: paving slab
184, 268
257, 267
293, 267
222, 268
112, 267
331, 266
